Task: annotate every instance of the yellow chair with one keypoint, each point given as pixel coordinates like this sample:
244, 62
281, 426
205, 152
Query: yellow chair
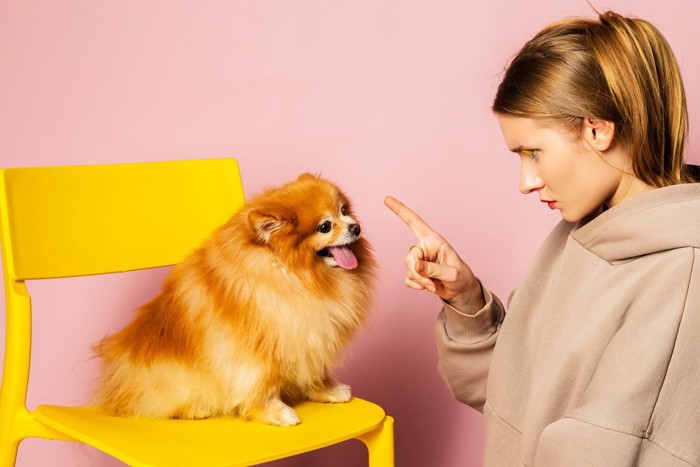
73, 221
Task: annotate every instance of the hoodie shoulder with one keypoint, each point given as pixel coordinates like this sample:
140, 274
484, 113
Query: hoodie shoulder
663, 219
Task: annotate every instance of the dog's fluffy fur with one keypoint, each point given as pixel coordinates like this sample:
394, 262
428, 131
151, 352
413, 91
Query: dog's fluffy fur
257, 315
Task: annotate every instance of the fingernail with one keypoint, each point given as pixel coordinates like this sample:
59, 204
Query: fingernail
420, 267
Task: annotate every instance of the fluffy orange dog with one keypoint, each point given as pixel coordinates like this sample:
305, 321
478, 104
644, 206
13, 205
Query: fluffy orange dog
259, 313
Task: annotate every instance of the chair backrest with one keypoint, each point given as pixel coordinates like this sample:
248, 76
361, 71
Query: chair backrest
85, 220
81, 220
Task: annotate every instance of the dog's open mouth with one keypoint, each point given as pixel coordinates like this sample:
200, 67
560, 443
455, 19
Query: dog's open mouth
341, 254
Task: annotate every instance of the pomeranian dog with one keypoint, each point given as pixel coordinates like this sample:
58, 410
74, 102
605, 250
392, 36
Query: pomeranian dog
257, 315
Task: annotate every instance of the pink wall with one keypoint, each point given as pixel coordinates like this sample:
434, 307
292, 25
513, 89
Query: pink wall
384, 97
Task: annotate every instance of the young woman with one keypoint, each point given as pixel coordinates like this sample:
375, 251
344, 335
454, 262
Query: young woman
596, 362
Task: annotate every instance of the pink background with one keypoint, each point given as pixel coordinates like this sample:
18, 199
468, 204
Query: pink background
383, 97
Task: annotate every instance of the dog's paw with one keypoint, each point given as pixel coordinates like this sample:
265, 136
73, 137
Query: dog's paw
332, 394
277, 413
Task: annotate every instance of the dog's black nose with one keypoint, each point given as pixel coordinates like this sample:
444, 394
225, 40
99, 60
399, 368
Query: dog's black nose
355, 229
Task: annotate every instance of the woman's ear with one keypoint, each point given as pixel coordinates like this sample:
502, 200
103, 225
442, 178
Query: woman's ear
598, 133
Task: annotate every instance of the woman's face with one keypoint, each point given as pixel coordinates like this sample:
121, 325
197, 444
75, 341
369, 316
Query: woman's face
562, 167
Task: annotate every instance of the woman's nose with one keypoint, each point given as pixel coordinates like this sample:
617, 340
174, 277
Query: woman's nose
530, 179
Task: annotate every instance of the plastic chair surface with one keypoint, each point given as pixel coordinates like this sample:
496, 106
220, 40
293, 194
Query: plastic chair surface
85, 220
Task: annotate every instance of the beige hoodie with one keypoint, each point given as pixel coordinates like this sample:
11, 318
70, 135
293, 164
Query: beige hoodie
597, 362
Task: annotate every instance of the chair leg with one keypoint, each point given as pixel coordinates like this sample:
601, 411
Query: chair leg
380, 444
8, 452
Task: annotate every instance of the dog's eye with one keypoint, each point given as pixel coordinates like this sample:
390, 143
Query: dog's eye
325, 227
344, 210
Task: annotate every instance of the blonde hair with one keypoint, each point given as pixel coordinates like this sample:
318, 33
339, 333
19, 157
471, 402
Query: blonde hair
617, 69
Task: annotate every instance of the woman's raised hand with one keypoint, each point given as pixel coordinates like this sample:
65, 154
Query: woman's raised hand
435, 266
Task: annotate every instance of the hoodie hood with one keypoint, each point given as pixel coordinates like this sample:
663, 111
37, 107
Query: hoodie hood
662, 219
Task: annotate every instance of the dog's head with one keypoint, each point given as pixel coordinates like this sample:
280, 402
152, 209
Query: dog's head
308, 221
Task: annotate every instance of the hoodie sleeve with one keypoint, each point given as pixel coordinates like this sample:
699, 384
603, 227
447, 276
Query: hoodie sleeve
465, 345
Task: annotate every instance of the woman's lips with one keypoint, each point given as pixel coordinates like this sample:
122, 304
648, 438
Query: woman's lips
550, 203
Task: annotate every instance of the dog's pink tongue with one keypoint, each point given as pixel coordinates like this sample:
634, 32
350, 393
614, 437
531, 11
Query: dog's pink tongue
344, 257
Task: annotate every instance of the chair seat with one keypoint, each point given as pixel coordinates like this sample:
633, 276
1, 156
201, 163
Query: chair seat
226, 441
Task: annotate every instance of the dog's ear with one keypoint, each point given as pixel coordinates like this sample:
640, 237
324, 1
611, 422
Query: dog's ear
309, 176
265, 224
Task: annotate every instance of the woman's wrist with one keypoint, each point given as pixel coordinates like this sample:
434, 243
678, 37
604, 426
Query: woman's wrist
472, 302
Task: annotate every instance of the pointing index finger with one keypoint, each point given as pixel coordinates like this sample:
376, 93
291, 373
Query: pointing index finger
410, 218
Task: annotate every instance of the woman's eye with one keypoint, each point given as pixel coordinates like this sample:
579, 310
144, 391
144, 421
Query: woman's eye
325, 227
531, 153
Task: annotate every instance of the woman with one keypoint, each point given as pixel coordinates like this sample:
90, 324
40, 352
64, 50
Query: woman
596, 361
